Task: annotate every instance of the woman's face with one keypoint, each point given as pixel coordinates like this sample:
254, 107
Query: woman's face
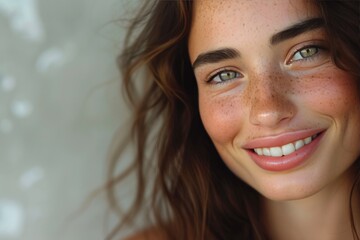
282, 116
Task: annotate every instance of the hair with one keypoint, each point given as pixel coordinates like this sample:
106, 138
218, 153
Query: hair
194, 195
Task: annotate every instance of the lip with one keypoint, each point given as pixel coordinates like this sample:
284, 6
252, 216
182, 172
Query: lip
287, 162
281, 139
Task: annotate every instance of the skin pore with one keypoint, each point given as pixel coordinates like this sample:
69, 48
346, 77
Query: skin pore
266, 79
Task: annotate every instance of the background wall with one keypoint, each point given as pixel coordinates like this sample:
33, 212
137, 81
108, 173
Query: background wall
59, 107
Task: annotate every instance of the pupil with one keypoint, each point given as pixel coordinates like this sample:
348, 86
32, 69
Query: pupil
227, 75
308, 52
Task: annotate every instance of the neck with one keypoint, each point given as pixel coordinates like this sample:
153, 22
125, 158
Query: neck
323, 216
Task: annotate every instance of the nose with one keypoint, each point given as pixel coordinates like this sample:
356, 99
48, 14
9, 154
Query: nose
270, 103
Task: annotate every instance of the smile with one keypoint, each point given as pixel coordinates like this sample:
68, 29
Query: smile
286, 149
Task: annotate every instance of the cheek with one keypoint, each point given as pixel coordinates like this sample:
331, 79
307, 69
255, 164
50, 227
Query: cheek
334, 94
221, 115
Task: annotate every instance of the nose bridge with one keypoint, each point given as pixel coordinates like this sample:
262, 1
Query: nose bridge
270, 103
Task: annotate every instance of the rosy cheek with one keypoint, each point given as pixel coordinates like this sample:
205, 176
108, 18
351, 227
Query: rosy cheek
222, 116
331, 93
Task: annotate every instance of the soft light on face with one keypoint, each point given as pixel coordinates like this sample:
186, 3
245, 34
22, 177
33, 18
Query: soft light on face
282, 116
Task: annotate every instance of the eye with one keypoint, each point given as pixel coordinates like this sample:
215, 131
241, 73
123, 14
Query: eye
304, 53
224, 76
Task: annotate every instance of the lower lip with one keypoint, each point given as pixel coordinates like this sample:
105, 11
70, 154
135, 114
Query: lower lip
288, 162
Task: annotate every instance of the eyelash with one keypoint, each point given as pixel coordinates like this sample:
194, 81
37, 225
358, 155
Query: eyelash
221, 81
318, 49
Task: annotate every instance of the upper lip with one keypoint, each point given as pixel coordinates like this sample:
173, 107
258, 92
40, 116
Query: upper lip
280, 139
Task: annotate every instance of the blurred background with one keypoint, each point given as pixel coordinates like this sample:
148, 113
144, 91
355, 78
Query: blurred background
60, 105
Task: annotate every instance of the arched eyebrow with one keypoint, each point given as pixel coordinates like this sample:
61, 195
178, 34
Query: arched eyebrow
215, 56
297, 29
223, 54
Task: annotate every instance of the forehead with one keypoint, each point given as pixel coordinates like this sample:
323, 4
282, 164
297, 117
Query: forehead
255, 8
215, 22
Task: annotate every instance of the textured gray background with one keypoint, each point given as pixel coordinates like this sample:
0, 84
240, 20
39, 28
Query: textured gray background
59, 107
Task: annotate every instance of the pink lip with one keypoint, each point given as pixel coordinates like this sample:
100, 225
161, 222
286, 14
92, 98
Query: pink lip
282, 139
287, 162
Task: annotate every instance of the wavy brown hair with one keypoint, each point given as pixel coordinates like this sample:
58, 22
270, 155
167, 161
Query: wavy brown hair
193, 194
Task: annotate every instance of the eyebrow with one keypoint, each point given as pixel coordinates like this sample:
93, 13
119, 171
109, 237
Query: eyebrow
216, 56
223, 54
297, 29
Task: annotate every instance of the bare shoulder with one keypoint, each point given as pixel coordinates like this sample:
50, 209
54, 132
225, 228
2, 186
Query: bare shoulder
148, 234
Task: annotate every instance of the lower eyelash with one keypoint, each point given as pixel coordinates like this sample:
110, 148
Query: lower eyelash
321, 49
211, 78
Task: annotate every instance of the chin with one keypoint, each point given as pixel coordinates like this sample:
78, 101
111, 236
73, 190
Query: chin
288, 190
286, 195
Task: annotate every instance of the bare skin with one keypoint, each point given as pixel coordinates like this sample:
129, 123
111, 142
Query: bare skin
322, 216
266, 90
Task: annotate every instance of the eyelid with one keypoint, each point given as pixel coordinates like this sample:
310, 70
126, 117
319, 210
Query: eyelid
319, 48
211, 76
320, 44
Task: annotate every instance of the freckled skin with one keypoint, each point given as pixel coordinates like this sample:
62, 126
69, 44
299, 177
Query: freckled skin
273, 97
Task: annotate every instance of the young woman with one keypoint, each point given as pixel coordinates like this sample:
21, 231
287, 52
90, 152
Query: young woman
248, 117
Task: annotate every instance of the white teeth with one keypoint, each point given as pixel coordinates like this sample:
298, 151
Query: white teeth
259, 151
288, 149
285, 149
276, 151
266, 152
308, 140
299, 144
